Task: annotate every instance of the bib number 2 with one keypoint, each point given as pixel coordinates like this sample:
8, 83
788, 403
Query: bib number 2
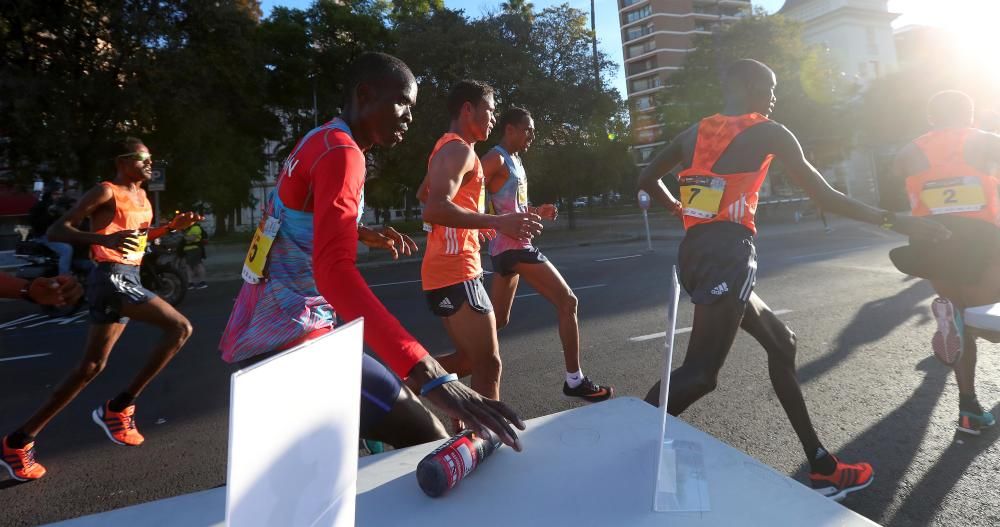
260, 246
960, 194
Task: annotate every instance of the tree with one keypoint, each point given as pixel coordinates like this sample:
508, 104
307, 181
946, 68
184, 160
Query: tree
810, 91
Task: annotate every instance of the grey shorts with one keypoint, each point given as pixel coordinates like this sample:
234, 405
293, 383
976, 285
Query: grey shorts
109, 287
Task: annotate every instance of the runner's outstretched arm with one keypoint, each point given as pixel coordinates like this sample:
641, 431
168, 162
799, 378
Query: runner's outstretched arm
789, 152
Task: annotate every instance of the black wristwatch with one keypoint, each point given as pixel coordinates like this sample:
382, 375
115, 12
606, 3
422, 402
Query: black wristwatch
888, 220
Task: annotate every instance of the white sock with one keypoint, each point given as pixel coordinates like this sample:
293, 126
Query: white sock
574, 379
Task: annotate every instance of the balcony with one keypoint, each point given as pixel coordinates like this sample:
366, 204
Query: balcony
638, 32
634, 16
629, 3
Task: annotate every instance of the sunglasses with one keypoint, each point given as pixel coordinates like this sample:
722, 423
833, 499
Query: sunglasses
138, 156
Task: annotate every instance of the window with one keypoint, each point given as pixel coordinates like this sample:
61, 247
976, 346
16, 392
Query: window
635, 32
646, 83
626, 3
644, 103
639, 49
704, 25
637, 15
872, 42
641, 66
645, 154
647, 136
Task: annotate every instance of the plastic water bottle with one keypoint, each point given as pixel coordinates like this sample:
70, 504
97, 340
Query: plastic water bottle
443, 468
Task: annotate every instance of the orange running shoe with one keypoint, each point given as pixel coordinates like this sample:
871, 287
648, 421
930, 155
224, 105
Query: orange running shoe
20, 462
844, 480
120, 426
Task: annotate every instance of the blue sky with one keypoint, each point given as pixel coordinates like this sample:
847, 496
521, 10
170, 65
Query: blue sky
608, 35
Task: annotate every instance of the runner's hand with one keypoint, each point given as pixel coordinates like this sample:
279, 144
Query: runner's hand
389, 239
58, 291
921, 229
486, 235
184, 220
521, 226
122, 241
477, 412
548, 212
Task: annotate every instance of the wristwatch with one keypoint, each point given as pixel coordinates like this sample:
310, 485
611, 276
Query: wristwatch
888, 219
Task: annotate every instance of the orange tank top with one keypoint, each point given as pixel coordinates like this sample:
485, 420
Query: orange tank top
950, 185
130, 214
708, 197
452, 254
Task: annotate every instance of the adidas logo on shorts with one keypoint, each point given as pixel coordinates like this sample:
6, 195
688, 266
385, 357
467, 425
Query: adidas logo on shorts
720, 289
446, 304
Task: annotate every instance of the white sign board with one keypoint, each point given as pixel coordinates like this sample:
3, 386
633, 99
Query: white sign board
293, 435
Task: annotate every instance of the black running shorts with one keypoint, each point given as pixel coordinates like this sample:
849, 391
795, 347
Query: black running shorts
446, 301
961, 259
717, 259
109, 287
504, 263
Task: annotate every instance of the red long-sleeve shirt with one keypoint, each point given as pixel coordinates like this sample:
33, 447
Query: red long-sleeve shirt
325, 176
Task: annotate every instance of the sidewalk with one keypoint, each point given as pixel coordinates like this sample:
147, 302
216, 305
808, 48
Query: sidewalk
225, 260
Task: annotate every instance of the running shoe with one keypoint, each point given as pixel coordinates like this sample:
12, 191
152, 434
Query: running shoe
947, 341
20, 462
588, 391
119, 426
844, 480
974, 422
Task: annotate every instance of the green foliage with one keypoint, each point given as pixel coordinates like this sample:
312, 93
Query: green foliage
809, 91
207, 83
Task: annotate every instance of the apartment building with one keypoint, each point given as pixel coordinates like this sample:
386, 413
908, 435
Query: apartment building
656, 36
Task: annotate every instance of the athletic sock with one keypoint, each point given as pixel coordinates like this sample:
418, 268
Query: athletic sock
121, 402
574, 379
968, 402
822, 462
19, 439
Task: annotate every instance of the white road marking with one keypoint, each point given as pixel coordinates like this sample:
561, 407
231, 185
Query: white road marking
25, 357
618, 258
573, 288
662, 334
373, 286
830, 253
20, 320
74, 318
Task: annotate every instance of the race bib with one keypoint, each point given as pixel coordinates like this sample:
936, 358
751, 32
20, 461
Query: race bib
260, 246
702, 195
136, 255
522, 192
960, 194
482, 199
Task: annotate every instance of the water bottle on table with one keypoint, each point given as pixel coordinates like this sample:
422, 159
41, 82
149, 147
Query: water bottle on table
443, 468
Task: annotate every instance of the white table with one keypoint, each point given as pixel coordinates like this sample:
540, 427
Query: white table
589, 466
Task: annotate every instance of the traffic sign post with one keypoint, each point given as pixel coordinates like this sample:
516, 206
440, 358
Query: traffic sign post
644, 201
157, 184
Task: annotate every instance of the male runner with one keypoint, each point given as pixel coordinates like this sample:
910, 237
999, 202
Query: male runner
311, 276
947, 174
507, 188
452, 274
725, 159
121, 216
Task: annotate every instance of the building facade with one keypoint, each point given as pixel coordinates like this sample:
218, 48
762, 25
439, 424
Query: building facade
858, 34
656, 37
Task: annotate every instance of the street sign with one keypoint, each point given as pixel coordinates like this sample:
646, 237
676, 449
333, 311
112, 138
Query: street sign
643, 200
158, 182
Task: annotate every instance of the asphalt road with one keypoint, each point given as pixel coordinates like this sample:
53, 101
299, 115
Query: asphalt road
864, 361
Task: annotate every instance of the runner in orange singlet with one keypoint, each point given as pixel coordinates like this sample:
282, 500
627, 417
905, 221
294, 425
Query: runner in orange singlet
947, 173
451, 273
121, 217
725, 159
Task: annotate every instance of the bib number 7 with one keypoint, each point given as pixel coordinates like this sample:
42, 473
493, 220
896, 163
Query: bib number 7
701, 195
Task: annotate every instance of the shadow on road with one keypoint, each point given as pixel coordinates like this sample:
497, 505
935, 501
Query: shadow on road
873, 322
